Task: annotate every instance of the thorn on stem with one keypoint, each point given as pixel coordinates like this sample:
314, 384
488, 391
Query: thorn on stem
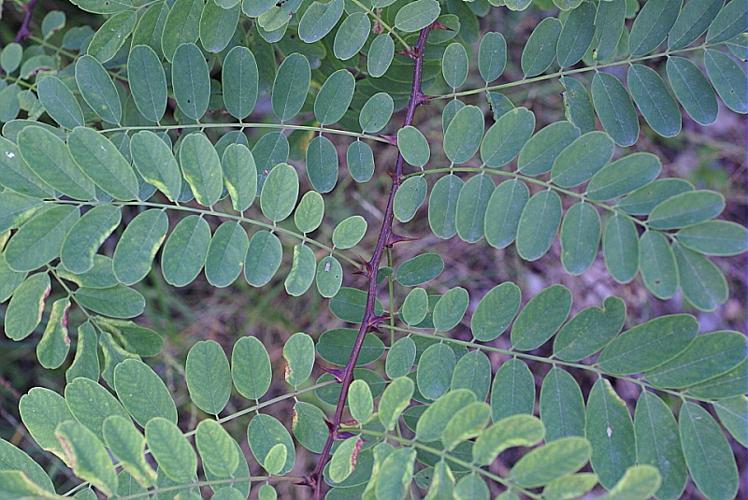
335, 372
398, 238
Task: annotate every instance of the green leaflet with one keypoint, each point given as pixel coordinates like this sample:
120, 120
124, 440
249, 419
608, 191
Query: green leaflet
16, 175
25, 309
692, 90
155, 162
658, 444
360, 401
342, 462
137, 247
299, 355
111, 36
540, 49
147, 82
621, 248
319, 19
86, 360
41, 410
263, 258
413, 146
226, 254
495, 311
334, 96
644, 199
417, 15
648, 345
715, 237
395, 398
380, 55
101, 161
322, 164
492, 56
59, 102
49, 159
263, 433
442, 207
400, 357
309, 212
546, 463
309, 427
473, 372
623, 176
539, 153
504, 140
450, 309
182, 26
409, 198
291, 86
581, 159
128, 445
513, 390
351, 35
571, 485
17, 209
143, 393
463, 135
714, 354
580, 238
657, 264
610, 432
455, 65
279, 192
702, 282
538, 225
303, 269
578, 104
217, 26
191, 80
9, 279
349, 232
561, 405
208, 377
652, 25
239, 78
335, 346
54, 345
615, 109
541, 318
185, 251
639, 481
654, 100
503, 212
708, 455
360, 159
34, 480
466, 423
173, 453
419, 269
729, 22
576, 35
692, 22
149, 29
686, 209
589, 330
435, 418
116, 302
201, 167
517, 430
728, 78
240, 176
434, 372
40, 239
732, 414
250, 368
395, 472
91, 404
97, 89
87, 456
471, 207
376, 113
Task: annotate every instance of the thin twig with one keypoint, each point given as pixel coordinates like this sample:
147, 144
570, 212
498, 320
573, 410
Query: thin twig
384, 240
24, 31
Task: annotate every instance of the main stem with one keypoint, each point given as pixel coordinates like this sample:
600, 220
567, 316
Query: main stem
384, 240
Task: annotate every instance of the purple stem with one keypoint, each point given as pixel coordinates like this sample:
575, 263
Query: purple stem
370, 319
23, 31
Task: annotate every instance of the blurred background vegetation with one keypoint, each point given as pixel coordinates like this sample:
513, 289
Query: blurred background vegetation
710, 157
